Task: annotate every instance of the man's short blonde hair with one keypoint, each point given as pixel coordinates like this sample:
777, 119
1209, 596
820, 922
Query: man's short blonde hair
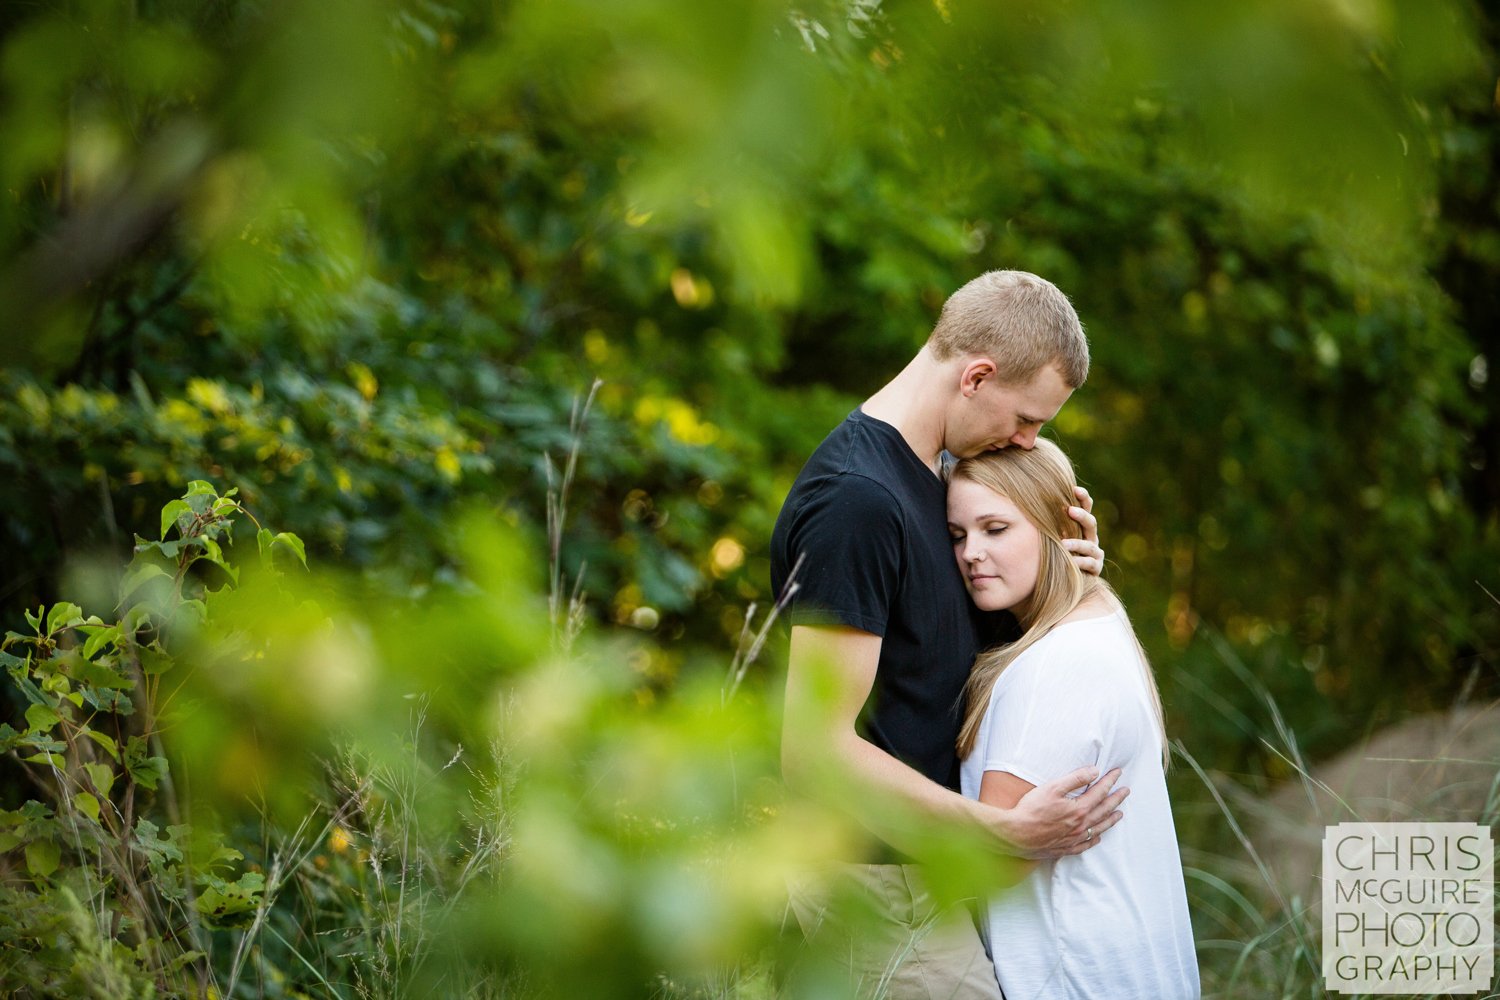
1020, 321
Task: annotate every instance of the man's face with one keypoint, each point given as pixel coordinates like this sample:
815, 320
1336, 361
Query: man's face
991, 416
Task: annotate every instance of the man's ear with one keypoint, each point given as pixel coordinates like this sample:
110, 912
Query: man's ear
974, 374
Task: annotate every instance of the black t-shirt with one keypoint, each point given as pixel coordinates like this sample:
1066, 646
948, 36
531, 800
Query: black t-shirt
871, 519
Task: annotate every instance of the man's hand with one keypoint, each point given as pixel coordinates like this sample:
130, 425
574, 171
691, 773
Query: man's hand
1043, 822
1087, 554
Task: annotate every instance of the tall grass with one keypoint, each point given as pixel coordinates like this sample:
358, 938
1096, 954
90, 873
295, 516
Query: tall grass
1252, 859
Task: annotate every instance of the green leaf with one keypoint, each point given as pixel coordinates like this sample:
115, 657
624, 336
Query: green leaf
99, 639
160, 849
109, 700
139, 575
171, 549
194, 610
201, 486
63, 615
44, 758
109, 745
29, 689
101, 776
101, 676
35, 620
154, 661
148, 771
294, 543
42, 857
228, 904
223, 856
41, 719
9, 841
212, 551
135, 619
170, 513
181, 961
86, 802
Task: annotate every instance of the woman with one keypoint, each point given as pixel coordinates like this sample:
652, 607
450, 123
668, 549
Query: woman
1074, 690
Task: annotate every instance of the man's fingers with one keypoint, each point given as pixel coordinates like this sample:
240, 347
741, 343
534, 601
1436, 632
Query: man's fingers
1084, 500
1089, 836
1089, 522
1098, 826
1099, 819
1109, 821
1088, 556
1083, 777
1101, 789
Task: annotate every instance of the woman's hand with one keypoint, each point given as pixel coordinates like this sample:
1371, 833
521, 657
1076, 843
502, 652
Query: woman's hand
1087, 554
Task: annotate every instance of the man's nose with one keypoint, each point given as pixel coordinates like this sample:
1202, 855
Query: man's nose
1025, 438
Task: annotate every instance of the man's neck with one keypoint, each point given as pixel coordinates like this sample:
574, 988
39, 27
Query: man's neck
913, 403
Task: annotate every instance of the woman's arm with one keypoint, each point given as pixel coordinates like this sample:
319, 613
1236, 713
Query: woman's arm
1003, 790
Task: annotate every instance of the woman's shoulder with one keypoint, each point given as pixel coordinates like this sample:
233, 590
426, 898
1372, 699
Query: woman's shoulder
1078, 648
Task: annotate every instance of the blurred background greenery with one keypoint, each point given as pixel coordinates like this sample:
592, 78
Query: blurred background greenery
362, 259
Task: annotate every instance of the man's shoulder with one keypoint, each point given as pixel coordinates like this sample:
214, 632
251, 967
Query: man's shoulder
853, 493
861, 455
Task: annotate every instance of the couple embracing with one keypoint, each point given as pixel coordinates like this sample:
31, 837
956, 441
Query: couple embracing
908, 688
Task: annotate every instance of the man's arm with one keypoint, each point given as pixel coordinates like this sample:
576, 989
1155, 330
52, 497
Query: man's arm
830, 673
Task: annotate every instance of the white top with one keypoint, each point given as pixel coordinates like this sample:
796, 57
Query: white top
1113, 921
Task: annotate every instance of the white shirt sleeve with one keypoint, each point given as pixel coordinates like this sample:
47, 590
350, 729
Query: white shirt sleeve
1050, 713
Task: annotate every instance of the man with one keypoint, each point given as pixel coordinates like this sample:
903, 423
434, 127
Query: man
883, 633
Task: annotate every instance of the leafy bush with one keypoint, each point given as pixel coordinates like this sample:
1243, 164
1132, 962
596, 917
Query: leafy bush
125, 896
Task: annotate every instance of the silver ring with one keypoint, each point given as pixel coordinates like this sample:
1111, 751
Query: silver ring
1089, 835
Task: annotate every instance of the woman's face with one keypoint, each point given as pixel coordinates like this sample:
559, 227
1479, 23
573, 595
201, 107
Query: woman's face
997, 548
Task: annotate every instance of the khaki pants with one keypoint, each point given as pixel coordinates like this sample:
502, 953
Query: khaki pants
874, 931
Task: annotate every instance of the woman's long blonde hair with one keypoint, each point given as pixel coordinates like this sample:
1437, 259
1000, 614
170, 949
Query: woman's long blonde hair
1040, 482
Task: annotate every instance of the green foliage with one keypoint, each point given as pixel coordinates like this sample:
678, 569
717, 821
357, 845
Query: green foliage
664, 823
113, 902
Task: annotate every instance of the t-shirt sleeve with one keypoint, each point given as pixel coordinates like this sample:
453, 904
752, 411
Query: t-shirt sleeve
849, 535
1048, 715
